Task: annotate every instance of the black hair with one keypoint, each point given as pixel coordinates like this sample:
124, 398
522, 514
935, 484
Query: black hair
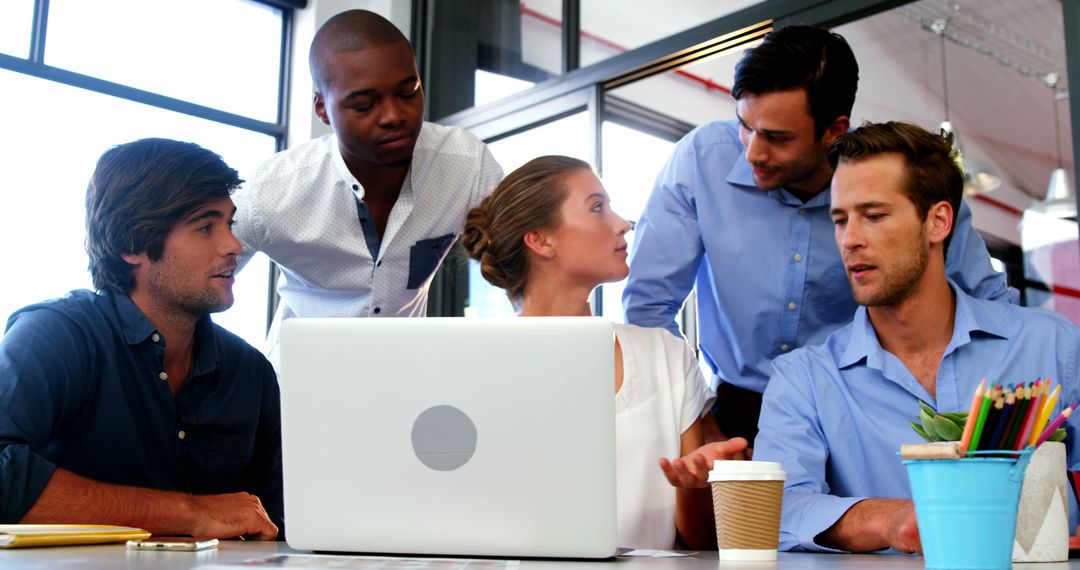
802, 57
349, 31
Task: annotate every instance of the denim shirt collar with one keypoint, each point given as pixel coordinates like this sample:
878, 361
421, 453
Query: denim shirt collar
972, 316
137, 329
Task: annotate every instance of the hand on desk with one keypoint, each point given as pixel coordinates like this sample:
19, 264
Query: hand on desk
692, 470
874, 524
72, 498
230, 516
906, 530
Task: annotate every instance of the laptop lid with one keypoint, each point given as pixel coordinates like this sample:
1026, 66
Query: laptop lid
450, 436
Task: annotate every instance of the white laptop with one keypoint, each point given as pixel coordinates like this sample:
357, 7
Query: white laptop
450, 436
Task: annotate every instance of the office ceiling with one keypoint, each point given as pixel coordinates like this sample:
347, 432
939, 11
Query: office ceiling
998, 100
1004, 118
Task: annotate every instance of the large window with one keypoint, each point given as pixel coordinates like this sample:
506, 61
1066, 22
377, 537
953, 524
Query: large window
15, 25
222, 54
59, 116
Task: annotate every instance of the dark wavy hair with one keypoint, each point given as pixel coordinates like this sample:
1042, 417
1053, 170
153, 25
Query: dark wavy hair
139, 191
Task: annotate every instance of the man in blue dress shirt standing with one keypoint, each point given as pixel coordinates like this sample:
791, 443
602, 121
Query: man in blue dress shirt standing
742, 210
835, 414
128, 405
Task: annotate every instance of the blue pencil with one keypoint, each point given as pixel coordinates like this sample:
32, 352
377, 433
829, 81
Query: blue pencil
1003, 418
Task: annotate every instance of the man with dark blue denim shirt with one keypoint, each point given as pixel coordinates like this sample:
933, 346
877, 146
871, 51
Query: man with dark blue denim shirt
129, 405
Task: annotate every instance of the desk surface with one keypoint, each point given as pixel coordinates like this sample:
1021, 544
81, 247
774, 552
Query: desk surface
117, 556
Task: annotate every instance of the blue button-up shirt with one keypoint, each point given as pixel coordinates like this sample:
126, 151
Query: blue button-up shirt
836, 414
769, 276
82, 387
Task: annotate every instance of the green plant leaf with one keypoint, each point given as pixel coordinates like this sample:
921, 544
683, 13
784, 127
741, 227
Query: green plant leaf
1058, 435
947, 429
958, 418
926, 409
929, 427
918, 429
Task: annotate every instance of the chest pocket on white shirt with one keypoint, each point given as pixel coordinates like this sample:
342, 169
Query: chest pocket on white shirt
425, 257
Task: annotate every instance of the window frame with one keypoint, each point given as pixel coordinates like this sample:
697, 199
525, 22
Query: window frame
34, 65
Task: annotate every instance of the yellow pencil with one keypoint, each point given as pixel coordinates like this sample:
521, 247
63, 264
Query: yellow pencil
1044, 415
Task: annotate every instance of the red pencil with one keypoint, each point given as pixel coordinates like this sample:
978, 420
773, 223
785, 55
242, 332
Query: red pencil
1055, 424
1029, 420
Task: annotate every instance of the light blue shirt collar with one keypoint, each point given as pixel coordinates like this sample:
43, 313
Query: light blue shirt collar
742, 176
864, 343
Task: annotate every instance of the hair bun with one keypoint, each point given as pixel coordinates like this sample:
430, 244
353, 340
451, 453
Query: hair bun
476, 236
476, 239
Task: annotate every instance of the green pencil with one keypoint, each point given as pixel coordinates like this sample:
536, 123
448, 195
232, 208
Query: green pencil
983, 411
1021, 412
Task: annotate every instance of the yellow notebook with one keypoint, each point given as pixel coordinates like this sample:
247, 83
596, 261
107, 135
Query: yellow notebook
29, 535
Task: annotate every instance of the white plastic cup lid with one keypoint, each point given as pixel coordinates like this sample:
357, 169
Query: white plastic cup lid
731, 470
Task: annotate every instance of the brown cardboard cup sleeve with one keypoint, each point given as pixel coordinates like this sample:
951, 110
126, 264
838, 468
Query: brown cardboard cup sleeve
747, 497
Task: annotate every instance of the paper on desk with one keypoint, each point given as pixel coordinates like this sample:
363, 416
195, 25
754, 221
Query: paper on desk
32, 535
368, 563
657, 553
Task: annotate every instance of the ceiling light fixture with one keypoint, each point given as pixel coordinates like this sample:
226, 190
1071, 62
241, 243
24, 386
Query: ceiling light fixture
979, 178
1060, 200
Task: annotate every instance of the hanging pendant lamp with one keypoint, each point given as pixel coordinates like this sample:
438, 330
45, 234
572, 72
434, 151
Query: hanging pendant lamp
1060, 200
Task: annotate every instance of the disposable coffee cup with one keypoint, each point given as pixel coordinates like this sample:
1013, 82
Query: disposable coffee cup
746, 502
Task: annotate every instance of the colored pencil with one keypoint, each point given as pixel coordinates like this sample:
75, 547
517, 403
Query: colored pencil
1002, 407
1055, 424
1044, 415
969, 426
1012, 404
980, 423
1029, 420
1022, 404
1038, 400
997, 405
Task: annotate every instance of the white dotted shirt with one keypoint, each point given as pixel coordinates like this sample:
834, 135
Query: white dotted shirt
299, 208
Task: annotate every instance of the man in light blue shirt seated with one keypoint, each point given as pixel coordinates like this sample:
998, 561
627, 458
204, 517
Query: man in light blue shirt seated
741, 210
835, 414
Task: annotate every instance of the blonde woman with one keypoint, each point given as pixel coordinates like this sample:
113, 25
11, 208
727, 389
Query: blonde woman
548, 236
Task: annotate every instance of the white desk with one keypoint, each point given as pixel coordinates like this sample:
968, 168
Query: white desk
117, 556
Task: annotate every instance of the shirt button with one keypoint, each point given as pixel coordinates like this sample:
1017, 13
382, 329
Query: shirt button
791, 306
802, 210
181, 434
355, 186
155, 337
377, 310
378, 263
784, 347
163, 376
797, 257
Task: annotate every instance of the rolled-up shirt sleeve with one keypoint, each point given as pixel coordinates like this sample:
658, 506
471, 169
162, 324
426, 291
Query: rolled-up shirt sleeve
40, 358
791, 434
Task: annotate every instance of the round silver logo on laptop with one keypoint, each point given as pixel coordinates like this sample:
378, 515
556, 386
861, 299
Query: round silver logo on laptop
444, 438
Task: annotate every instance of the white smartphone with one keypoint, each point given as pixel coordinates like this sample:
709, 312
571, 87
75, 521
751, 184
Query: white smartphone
173, 543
